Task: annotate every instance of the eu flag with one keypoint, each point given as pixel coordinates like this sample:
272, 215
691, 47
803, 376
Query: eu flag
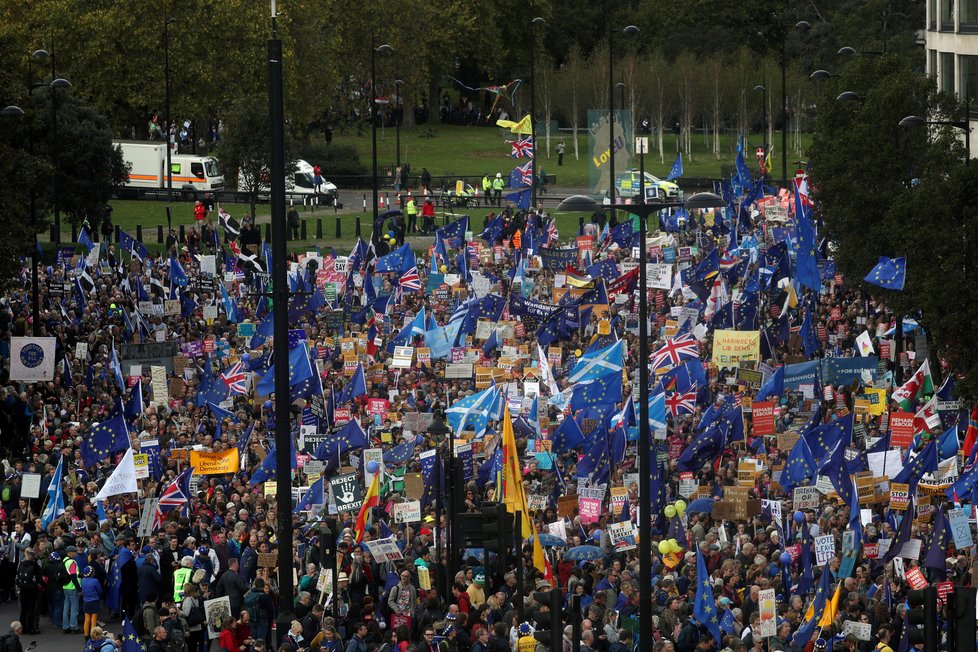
602, 390
454, 233
107, 437
889, 273
178, 277
494, 230
356, 387
706, 446
299, 370
704, 608
400, 260
266, 470
675, 172
807, 259
773, 387
799, 467
925, 462
130, 639
350, 437
567, 436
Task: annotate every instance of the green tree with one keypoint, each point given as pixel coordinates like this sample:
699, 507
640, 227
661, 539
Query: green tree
245, 150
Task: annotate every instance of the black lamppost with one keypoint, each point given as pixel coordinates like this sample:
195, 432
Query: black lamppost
578, 203
763, 91
398, 115
385, 50
55, 86
280, 329
533, 108
442, 435
166, 89
631, 29
964, 125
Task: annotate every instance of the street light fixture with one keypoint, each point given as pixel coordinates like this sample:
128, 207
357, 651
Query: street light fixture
11, 111
963, 125
534, 23
56, 85
629, 30
374, 51
398, 116
820, 74
849, 96
764, 131
643, 210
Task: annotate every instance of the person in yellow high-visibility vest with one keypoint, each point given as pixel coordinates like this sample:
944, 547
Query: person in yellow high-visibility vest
181, 576
497, 188
412, 215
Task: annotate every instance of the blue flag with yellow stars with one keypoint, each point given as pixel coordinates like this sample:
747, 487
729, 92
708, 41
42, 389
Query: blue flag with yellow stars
804, 633
889, 273
602, 390
107, 437
350, 437
675, 172
807, 261
704, 608
706, 446
400, 260
567, 436
454, 233
130, 639
299, 370
925, 462
799, 467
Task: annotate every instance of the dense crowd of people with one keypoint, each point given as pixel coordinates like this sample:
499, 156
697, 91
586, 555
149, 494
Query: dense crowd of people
765, 381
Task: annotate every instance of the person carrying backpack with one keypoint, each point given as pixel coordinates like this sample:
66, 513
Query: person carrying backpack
148, 619
192, 609
28, 581
98, 642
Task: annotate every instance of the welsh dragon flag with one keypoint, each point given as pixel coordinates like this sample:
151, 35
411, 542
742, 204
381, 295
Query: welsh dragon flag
920, 384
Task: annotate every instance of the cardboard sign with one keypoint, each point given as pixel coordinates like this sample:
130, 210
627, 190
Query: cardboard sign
824, 549
806, 498
862, 631
767, 602
916, 578
899, 496
267, 559
746, 473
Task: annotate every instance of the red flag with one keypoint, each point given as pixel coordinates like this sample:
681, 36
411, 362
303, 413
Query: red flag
972, 433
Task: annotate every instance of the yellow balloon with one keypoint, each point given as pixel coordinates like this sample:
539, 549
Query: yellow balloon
680, 507
670, 511
444, 268
675, 546
664, 547
577, 353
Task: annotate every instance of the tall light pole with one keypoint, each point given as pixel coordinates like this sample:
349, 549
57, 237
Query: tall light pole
17, 112
763, 91
398, 116
533, 109
382, 49
631, 29
166, 89
963, 125
55, 86
582, 203
280, 329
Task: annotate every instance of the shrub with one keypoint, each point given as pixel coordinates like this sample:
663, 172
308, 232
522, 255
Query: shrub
335, 160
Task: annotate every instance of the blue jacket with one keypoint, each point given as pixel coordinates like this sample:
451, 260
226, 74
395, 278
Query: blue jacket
91, 589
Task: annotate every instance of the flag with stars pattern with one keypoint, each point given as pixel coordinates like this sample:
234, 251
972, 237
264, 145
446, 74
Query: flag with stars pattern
704, 608
107, 437
889, 273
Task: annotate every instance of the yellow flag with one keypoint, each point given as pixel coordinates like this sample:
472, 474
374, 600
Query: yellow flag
831, 608
514, 496
521, 127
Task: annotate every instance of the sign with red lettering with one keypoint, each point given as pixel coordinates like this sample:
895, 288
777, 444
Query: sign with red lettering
341, 415
763, 414
901, 429
871, 550
944, 589
916, 578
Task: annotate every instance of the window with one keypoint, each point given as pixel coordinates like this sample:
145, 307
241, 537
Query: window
968, 86
213, 168
947, 14
968, 17
174, 168
947, 72
197, 169
931, 14
932, 63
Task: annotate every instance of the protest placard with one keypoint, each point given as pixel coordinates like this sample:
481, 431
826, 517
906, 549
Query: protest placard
824, 549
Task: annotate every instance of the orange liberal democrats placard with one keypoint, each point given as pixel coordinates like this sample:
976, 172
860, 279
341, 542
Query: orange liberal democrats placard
205, 463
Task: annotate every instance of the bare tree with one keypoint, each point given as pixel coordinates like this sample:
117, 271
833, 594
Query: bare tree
687, 70
567, 91
659, 72
544, 88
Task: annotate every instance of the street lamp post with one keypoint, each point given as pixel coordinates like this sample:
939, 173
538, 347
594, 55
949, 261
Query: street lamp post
441, 433
280, 329
166, 89
964, 125
763, 91
533, 109
55, 85
398, 116
643, 209
631, 29
382, 49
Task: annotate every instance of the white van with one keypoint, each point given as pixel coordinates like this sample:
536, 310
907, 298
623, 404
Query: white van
301, 183
189, 173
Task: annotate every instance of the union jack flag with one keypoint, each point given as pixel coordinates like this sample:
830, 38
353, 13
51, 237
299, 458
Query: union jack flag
675, 351
552, 235
410, 281
681, 402
522, 147
175, 496
236, 379
526, 173
728, 260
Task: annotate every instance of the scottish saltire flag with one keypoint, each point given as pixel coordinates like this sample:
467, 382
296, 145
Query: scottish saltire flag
55, 505
592, 366
178, 276
676, 170
230, 306
117, 369
889, 273
657, 412
474, 411
406, 334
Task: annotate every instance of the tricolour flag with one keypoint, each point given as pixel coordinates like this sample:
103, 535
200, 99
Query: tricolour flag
371, 500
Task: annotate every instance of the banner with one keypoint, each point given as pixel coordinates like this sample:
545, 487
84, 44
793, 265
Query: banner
842, 371
600, 150
557, 260
730, 348
803, 373
206, 463
659, 276
32, 359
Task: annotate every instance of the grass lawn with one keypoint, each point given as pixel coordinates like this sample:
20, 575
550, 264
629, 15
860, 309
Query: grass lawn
449, 150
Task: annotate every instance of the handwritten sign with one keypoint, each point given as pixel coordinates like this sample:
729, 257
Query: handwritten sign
806, 498
824, 549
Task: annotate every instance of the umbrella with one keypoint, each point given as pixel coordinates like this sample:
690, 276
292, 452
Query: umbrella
701, 505
478, 553
584, 553
550, 541
391, 213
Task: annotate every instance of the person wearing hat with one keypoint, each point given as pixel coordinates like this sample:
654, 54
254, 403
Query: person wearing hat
497, 189
476, 591
71, 586
92, 594
343, 589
